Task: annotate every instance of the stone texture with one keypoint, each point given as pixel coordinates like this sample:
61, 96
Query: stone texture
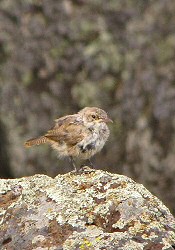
89, 210
57, 57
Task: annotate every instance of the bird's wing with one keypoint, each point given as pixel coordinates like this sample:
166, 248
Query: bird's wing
69, 129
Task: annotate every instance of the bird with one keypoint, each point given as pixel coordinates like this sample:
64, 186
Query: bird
77, 136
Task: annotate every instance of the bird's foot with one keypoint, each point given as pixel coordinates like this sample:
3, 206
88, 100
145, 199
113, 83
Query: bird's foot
88, 163
85, 169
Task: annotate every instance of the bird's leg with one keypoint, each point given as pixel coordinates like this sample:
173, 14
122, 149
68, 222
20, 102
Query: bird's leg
73, 163
88, 167
90, 163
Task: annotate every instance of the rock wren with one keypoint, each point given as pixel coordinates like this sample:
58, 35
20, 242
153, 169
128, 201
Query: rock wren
77, 136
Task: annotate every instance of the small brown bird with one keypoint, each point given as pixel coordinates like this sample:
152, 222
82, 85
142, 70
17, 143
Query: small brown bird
77, 136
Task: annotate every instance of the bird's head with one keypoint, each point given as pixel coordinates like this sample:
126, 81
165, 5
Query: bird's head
93, 115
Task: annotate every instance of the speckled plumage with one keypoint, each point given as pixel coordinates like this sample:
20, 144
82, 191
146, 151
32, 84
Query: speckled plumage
77, 136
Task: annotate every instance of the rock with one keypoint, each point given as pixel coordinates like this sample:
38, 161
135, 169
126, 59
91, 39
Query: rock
89, 210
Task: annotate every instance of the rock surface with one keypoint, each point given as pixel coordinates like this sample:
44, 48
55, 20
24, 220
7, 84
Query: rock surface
57, 57
90, 210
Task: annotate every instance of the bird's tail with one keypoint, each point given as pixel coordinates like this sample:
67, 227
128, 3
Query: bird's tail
36, 141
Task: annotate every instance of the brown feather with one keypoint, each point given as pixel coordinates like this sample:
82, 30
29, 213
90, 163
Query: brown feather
68, 129
35, 141
71, 134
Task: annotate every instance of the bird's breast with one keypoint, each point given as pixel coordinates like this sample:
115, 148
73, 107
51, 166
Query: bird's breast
94, 142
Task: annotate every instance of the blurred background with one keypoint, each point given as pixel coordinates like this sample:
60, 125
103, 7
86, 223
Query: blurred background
57, 57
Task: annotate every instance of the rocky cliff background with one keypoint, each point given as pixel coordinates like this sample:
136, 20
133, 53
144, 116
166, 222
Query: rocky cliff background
58, 56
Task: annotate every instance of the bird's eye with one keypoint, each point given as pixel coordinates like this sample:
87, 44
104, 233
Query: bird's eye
93, 116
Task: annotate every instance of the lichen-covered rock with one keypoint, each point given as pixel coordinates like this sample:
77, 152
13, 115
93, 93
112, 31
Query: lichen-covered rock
89, 210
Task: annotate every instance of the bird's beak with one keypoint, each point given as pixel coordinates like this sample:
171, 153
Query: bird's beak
107, 120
